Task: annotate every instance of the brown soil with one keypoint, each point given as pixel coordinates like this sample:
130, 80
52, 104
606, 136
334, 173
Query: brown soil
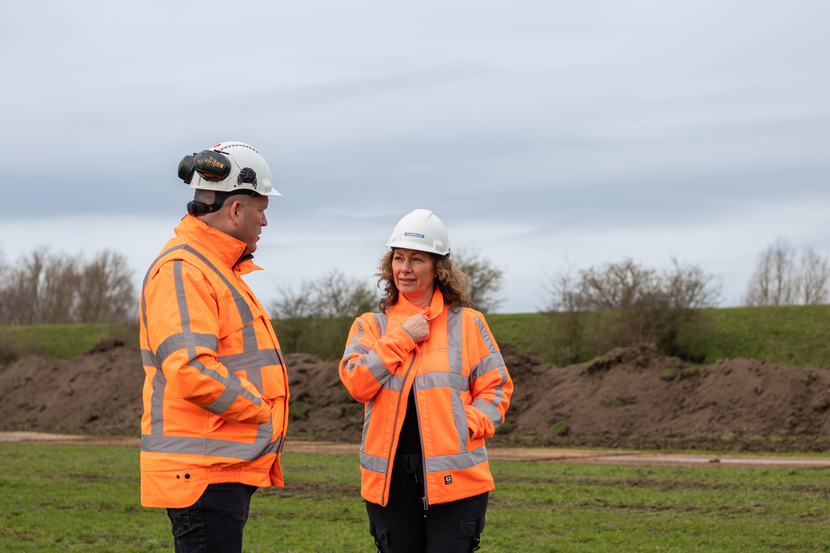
632, 398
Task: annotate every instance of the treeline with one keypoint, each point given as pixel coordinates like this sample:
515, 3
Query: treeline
590, 311
626, 303
783, 277
48, 288
316, 316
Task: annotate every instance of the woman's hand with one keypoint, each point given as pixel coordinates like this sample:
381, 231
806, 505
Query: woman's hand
418, 327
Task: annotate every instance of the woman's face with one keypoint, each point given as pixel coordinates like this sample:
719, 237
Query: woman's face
414, 273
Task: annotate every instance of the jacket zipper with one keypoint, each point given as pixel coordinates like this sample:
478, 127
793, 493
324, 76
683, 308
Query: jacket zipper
423, 455
395, 424
425, 499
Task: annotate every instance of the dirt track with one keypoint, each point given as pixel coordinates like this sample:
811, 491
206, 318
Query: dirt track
551, 455
631, 399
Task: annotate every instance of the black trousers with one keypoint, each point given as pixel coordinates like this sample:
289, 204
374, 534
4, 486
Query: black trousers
214, 523
403, 526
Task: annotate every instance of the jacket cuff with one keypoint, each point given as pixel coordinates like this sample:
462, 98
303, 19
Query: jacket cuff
403, 338
265, 413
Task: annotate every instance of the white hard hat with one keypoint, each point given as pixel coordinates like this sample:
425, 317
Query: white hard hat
421, 230
228, 167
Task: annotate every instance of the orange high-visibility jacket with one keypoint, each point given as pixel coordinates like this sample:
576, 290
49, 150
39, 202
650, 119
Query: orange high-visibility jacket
216, 390
462, 389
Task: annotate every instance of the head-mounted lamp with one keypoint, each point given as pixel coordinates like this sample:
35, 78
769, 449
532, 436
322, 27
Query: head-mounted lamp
211, 165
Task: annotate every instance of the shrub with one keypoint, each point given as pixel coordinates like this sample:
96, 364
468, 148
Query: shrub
625, 304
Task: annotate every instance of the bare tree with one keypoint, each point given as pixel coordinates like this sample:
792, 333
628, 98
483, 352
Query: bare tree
776, 280
815, 275
484, 279
332, 295
21, 287
58, 290
340, 296
689, 287
623, 285
44, 288
293, 305
105, 291
318, 317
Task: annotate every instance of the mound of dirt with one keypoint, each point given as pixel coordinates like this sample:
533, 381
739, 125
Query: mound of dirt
631, 397
634, 397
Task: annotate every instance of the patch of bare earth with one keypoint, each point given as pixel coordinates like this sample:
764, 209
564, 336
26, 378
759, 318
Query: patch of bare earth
632, 398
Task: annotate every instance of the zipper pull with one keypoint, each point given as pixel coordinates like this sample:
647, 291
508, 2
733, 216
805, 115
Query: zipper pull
426, 505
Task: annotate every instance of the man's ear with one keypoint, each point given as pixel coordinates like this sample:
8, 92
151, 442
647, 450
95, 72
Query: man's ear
236, 205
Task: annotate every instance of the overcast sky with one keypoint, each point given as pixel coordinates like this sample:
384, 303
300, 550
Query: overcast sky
543, 133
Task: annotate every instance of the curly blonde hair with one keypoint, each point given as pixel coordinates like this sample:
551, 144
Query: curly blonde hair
450, 280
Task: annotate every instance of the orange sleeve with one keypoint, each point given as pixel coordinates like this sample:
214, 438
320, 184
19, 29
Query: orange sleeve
490, 382
371, 361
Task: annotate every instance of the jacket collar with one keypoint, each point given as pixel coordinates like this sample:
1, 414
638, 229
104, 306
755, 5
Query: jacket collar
406, 308
207, 239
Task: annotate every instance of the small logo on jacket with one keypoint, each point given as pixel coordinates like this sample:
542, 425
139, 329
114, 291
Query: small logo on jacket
415, 234
448, 480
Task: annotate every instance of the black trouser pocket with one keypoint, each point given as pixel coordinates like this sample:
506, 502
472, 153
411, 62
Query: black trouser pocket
471, 528
380, 534
180, 519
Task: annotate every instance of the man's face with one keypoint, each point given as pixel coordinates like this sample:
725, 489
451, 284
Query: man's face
251, 219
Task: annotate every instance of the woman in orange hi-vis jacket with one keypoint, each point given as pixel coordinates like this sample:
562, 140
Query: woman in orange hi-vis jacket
435, 386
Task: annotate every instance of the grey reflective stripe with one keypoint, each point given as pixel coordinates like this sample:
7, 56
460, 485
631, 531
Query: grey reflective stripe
254, 372
253, 359
454, 341
492, 361
184, 312
351, 347
157, 402
233, 389
377, 369
180, 341
394, 383
489, 411
147, 277
367, 417
485, 335
214, 448
251, 362
454, 355
381, 319
374, 464
464, 460
441, 380
147, 358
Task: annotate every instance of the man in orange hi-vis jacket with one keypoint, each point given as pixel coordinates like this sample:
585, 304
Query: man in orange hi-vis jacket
216, 391
435, 386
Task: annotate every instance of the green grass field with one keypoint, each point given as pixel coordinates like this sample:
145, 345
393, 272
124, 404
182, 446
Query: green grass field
86, 498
